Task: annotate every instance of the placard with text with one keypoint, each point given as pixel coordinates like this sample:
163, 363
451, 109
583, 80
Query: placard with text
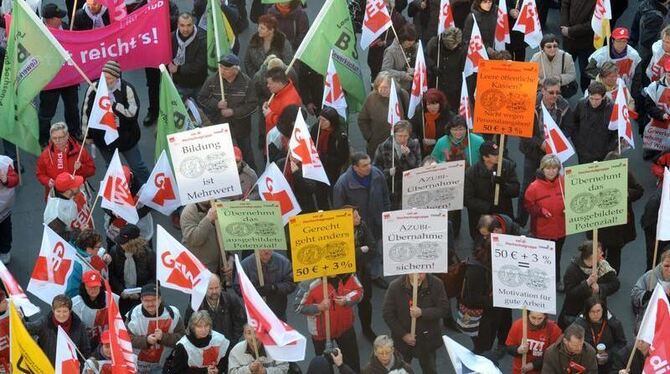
249, 225
437, 186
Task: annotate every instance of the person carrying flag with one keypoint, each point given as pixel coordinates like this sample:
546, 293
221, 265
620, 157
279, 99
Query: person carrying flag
189, 61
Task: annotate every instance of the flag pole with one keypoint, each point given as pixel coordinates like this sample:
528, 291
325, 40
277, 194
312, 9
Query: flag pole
324, 282
415, 296
469, 146
524, 336
218, 50
92, 207
219, 240
594, 258
496, 196
437, 76
259, 269
74, 10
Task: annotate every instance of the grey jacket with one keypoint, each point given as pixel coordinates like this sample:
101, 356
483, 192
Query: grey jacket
395, 64
372, 120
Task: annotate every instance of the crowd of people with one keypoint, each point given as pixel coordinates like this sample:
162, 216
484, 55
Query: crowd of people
262, 89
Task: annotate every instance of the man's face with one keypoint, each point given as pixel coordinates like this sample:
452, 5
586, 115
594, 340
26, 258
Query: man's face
574, 345
363, 167
110, 79
265, 255
595, 100
274, 86
150, 303
401, 137
213, 288
620, 45
550, 95
185, 26
94, 6
228, 73
92, 292
490, 159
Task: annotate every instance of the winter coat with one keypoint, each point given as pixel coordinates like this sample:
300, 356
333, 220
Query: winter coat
338, 152
199, 236
7, 191
241, 356
486, 21
652, 15
432, 299
83, 22
399, 366
256, 54
532, 147
178, 363
240, 96
47, 335
477, 285
613, 336
145, 265
311, 293
193, 72
419, 121
544, 196
363, 237
395, 64
371, 202
426, 20
562, 66
47, 164
576, 15
372, 119
228, 318
577, 290
384, 160
557, 359
589, 133
126, 109
645, 286
443, 148
480, 189
620, 360
294, 25
285, 97
452, 63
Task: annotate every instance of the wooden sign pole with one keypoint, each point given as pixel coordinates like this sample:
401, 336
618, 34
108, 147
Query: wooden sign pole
415, 291
501, 148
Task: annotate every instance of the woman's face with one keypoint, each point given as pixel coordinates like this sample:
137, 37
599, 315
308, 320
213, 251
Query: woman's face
433, 107
201, 330
486, 5
596, 313
458, 132
384, 355
536, 318
551, 49
323, 123
264, 31
62, 314
249, 334
610, 79
384, 89
550, 173
59, 138
401, 137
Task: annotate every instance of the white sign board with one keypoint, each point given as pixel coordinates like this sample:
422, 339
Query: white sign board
434, 187
415, 241
523, 273
204, 164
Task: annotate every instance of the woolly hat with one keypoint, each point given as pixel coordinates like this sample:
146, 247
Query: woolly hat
112, 68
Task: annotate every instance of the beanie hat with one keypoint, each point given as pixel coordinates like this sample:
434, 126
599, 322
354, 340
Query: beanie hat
112, 68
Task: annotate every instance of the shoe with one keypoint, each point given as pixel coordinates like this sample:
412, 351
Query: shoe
5, 258
370, 335
381, 283
560, 287
150, 120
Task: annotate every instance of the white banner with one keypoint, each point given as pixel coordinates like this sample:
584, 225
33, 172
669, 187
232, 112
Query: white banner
523, 273
204, 164
434, 187
415, 241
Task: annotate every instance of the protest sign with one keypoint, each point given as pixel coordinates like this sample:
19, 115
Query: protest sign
596, 195
322, 244
251, 225
415, 241
656, 136
524, 274
204, 164
437, 186
506, 96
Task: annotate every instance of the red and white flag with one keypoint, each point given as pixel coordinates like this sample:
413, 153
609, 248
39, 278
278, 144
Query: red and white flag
476, 51
394, 111
446, 18
419, 83
557, 143
663, 224
464, 109
161, 192
620, 118
659, 352
178, 269
115, 192
528, 23
15, 292
102, 117
272, 186
303, 149
281, 341
333, 94
66, 354
54, 268
501, 36
658, 306
123, 358
375, 22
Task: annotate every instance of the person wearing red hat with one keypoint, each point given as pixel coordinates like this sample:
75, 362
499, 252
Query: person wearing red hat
618, 51
657, 105
90, 305
61, 210
101, 361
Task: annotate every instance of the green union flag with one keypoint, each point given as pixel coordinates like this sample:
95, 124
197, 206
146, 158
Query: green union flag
32, 59
217, 25
172, 114
332, 29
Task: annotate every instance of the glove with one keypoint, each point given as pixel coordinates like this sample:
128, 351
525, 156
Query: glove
392, 172
267, 289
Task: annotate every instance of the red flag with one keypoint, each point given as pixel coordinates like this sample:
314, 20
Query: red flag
115, 192
272, 186
376, 21
476, 51
123, 358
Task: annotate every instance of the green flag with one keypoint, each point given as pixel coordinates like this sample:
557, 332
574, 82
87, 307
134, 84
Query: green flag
217, 24
172, 114
332, 28
32, 59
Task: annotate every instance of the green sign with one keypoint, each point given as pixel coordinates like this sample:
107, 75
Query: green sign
251, 225
596, 195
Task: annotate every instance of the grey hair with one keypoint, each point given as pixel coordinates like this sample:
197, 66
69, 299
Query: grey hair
382, 341
607, 68
198, 318
57, 127
382, 77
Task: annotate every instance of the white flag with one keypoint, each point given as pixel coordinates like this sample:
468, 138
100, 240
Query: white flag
620, 118
272, 186
333, 94
177, 268
476, 51
648, 324
600, 22
161, 192
394, 111
528, 23
663, 224
115, 192
501, 35
281, 341
465, 361
375, 22
419, 82
102, 117
303, 149
464, 109
66, 354
446, 18
556, 141
15, 292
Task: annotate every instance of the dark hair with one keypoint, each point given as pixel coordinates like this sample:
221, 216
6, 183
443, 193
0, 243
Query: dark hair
478, 5
548, 38
500, 55
433, 95
585, 249
590, 303
277, 74
331, 115
407, 32
286, 120
573, 331
597, 88
356, 157
456, 121
268, 20
61, 301
88, 238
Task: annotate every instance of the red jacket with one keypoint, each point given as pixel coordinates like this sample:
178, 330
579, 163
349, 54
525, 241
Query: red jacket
285, 97
49, 166
538, 342
543, 196
341, 317
657, 167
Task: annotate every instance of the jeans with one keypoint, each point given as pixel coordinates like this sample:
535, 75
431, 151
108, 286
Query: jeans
49, 104
134, 159
6, 234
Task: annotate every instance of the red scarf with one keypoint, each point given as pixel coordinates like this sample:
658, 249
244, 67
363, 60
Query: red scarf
65, 325
322, 142
430, 128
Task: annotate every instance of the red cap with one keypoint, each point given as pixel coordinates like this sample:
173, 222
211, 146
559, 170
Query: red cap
238, 153
104, 337
620, 33
92, 278
65, 181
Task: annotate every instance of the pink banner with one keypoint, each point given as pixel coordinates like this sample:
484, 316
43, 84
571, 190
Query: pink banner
141, 39
117, 9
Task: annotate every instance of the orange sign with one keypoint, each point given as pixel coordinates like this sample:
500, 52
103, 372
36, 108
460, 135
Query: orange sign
505, 98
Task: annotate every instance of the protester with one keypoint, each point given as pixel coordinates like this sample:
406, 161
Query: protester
113, 222
449, 67
189, 60
284, 93
431, 125
332, 145
621, 357
250, 356
496, 223
379, 45
267, 41
400, 56
198, 227
386, 359
291, 20
486, 14
624, 56
608, 74
455, 145
8, 182
90, 305
577, 35
248, 177
643, 288
201, 347
555, 63
93, 15
541, 333
570, 353
61, 210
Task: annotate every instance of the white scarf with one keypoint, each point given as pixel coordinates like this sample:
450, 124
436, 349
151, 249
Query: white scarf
96, 18
129, 271
180, 58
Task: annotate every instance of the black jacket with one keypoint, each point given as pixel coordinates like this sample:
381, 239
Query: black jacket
612, 336
486, 21
228, 318
480, 189
47, 335
452, 63
338, 152
576, 15
145, 264
620, 359
477, 285
589, 133
193, 72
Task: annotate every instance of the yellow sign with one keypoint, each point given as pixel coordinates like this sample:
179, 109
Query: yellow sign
322, 244
26, 355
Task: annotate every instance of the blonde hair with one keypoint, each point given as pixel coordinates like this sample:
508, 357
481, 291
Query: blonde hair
382, 77
550, 161
135, 246
197, 318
